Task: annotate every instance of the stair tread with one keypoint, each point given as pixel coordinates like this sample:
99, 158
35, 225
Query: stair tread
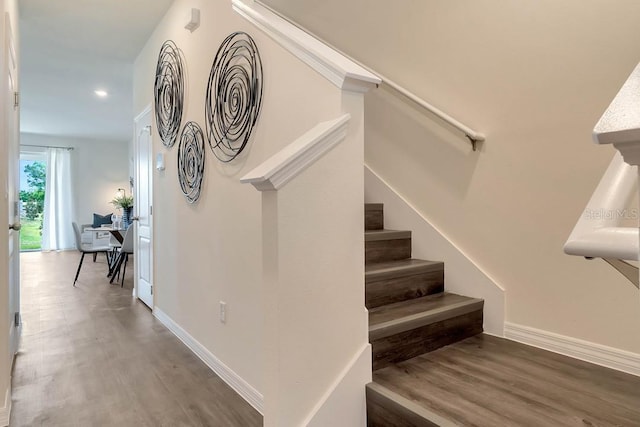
486, 380
384, 234
373, 206
404, 267
398, 317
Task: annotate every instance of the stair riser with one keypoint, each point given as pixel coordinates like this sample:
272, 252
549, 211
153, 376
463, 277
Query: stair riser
387, 250
380, 416
373, 219
412, 343
397, 289
386, 408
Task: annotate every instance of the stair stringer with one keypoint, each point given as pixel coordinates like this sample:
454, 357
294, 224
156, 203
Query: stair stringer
462, 275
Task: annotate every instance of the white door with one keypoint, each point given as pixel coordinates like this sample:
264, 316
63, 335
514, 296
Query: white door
12, 188
143, 210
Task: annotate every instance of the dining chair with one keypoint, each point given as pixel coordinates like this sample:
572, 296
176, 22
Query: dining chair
124, 252
85, 248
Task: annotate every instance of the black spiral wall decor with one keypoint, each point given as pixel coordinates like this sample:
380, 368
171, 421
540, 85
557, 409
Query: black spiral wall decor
191, 161
169, 92
234, 96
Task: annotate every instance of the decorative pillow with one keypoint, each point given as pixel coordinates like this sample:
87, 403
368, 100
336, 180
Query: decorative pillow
98, 220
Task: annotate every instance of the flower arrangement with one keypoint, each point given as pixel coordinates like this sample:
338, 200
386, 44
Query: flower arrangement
122, 201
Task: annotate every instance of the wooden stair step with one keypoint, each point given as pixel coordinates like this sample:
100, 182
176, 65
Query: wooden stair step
405, 315
406, 329
373, 216
386, 408
394, 281
386, 245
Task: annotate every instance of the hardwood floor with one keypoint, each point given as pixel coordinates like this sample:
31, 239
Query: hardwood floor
94, 356
489, 381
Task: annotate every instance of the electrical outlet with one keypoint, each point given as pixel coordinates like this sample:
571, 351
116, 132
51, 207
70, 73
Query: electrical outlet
223, 312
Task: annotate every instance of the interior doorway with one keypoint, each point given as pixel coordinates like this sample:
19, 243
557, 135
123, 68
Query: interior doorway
143, 188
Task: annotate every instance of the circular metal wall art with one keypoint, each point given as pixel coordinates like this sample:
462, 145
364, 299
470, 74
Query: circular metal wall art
191, 161
234, 96
169, 92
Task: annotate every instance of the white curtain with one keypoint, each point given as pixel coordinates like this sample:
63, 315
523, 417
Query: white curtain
57, 231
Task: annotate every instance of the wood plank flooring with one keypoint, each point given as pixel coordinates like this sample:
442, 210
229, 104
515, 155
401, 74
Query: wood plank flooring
488, 381
94, 356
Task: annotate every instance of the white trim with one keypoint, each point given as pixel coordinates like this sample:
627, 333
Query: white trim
5, 411
335, 67
361, 357
598, 354
289, 162
244, 389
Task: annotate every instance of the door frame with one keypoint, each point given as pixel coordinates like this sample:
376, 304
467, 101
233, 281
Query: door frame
10, 328
138, 129
13, 156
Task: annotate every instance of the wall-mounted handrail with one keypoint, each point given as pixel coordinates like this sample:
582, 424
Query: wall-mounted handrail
598, 232
473, 136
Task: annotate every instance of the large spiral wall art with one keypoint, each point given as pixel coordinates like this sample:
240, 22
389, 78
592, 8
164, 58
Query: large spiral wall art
234, 96
169, 92
191, 158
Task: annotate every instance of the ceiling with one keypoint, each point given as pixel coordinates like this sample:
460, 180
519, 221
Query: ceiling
70, 48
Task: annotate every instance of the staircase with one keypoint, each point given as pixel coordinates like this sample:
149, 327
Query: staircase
433, 366
409, 313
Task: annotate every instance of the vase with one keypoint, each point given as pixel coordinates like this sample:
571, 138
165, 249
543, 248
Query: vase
126, 217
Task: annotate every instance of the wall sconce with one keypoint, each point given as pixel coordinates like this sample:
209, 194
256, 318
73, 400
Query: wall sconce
193, 20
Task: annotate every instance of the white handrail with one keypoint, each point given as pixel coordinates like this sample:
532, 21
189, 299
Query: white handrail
473, 135
597, 233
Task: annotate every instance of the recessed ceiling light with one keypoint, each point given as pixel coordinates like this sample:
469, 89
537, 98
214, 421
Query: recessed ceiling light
101, 93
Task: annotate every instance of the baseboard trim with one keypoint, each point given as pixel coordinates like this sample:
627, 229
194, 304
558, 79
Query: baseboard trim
5, 411
598, 354
244, 389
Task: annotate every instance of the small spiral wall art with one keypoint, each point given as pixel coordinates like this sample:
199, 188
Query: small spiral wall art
234, 96
191, 161
169, 92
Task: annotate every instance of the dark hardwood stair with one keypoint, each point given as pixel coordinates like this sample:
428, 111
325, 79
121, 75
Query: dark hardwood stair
386, 245
407, 329
409, 312
433, 366
400, 280
373, 216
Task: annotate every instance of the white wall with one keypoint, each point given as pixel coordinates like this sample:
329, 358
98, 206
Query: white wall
211, 251
99, 168
534, 76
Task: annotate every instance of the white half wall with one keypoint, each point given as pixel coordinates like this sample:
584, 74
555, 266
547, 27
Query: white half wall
336, 409
461, 274
99, 168
211, 251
